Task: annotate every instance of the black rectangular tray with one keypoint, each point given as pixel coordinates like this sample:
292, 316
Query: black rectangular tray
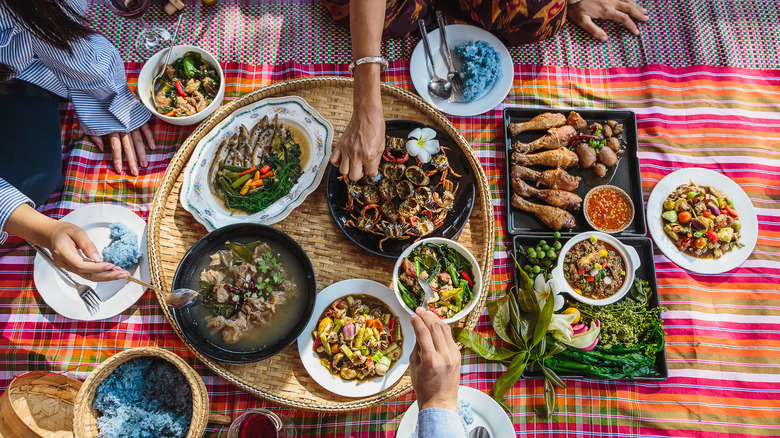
646, 271
626, 174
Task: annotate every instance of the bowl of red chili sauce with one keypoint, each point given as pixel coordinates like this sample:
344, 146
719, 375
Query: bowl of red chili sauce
608, 209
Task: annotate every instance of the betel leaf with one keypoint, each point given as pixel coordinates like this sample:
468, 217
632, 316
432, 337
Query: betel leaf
480, 345
526, 297
515, 320
504, 405
552, 377
240, 251
510, 376
543, 321
549, 399
498, 310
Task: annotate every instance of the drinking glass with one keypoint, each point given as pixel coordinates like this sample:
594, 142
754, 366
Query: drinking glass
151, 39
257, 423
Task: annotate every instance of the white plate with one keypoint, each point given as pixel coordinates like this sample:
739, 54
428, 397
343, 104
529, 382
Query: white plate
742, 205
487, 413
196, 195
321, 374
116, 296
457, 34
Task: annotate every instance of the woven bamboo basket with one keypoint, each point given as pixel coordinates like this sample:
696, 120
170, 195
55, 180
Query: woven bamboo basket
172, 231
85, 418
38, 405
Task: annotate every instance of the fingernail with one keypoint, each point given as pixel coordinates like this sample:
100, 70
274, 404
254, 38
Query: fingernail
96, 257
109, 268
134, 171
144, 163
122, 276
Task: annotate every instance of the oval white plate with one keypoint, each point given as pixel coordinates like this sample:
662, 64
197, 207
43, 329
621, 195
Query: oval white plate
487, 413
742, 205
116, 296
196, 196
352, 388
458, 34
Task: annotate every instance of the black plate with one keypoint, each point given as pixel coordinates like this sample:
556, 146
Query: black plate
624, 175
214, 241
336, 193
646, 271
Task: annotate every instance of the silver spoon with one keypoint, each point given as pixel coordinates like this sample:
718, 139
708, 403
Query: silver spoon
479, 432
178, 299
168, 56
437, 86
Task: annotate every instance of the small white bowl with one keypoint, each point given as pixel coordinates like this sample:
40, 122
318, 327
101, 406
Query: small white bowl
475, 270
156, 63
630, 257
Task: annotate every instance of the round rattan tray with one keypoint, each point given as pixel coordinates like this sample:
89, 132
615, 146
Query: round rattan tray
171, 231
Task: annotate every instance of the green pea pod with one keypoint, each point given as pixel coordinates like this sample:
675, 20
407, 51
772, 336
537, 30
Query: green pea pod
189, 67
480, 345
511, 376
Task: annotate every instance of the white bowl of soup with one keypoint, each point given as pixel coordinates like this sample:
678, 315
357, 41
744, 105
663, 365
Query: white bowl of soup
596, 268
212, 101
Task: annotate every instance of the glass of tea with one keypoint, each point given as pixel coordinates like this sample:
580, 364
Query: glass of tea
257, 423
151, 39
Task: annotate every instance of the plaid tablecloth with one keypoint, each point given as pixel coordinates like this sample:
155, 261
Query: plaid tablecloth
700, 81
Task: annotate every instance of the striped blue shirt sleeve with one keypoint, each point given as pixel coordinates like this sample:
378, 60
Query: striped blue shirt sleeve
440, 423
94, 78
10, 200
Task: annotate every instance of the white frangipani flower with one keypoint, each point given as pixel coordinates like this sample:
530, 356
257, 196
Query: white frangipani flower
547, 290
424, 145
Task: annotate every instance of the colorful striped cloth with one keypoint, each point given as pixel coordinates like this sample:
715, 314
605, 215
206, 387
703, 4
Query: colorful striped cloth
723, 330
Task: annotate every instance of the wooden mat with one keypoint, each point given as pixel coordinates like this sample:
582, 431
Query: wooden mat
172, 231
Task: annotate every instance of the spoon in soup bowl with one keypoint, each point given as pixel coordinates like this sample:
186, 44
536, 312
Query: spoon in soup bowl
178, 299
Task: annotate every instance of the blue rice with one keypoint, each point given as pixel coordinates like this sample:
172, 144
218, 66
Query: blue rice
144, 398
123, 250
481, 68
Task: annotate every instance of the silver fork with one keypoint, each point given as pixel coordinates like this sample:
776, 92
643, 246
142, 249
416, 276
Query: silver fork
453, 75
86, 293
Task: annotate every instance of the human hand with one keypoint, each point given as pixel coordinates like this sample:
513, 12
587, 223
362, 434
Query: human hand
133, 145
435, 362
360, 147
621, 11
65, 240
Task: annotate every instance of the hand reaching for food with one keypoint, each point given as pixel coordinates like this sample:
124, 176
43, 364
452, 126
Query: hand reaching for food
360, 147
435, 363
132, 143
621, 11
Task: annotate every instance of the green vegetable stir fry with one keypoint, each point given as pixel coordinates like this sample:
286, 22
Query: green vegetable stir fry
447, 272
188, 86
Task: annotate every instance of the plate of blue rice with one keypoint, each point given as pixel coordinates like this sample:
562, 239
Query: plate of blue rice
481, 58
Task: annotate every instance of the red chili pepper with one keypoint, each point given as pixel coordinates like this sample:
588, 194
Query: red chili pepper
317, 342
466, 276
180, 89
267, 175
730, 211
580, 271
250, 170
589, 278
392, 326
369, 361
265, 169
713, 236
170, 113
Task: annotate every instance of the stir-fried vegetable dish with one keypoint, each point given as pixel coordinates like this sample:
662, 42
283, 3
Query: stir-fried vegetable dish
188, 86
701, 221
594, 269
447, 272
253, 169
358, 337
243, 285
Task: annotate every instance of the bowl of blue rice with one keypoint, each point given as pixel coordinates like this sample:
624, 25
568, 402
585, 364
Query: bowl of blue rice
144, 392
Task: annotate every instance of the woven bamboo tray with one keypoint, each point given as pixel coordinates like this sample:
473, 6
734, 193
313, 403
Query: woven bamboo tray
172, 231
38, 405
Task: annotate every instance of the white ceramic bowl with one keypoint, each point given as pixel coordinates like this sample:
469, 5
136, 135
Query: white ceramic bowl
475, 270
156, 63
630, 257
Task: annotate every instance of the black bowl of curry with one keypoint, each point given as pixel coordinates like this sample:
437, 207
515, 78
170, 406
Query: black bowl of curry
608, 209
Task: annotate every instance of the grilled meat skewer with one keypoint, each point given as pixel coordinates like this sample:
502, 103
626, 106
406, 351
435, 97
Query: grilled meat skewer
554, 217
554, 139
560, 157
542, 121
556, 198
553, 178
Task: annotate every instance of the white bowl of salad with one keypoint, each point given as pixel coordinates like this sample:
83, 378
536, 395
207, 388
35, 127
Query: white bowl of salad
450, 269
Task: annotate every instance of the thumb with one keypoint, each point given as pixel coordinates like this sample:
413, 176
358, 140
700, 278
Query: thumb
84, 243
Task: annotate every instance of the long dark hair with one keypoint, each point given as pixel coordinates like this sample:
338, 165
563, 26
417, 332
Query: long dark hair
54, 22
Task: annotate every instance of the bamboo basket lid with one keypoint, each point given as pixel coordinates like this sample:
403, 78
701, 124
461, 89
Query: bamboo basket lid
85, 418
38, 405
171, 231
